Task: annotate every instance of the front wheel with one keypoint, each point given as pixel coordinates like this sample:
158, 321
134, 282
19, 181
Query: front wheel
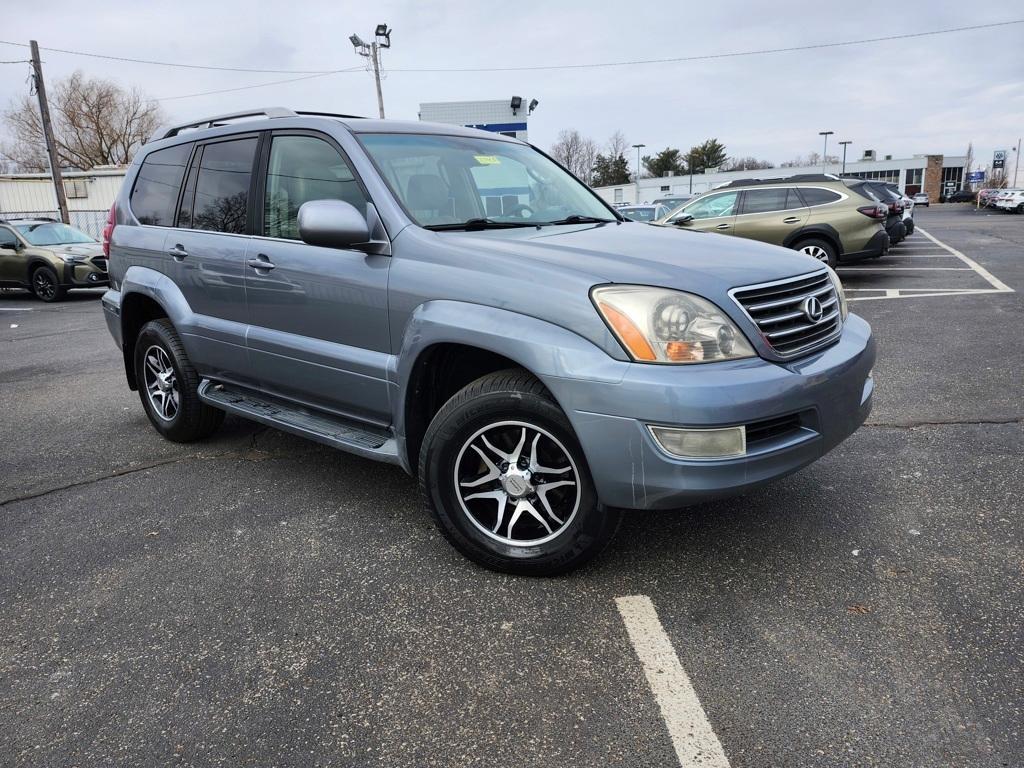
507, 483
822, 250
45, 285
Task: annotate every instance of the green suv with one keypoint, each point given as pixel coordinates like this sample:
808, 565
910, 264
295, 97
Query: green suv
817, 214
48, 257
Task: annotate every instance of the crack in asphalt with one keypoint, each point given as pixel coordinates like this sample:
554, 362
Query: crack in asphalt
241, 452
943, 423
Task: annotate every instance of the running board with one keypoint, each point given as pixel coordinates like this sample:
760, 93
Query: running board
324, 428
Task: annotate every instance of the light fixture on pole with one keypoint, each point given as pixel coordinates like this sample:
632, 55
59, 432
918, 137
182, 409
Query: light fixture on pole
824, 154
371, 51
638, 147
844, 143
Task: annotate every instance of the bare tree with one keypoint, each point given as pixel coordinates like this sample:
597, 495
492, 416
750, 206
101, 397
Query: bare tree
577, 153
95, 122
747, 164
617, 145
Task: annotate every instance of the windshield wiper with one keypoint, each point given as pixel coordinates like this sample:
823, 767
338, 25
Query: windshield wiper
577, 218
471, 225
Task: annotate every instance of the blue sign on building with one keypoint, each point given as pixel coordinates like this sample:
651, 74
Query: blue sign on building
975, 177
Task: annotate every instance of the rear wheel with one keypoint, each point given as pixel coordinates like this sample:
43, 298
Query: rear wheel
507, 483
46, 286
168, 385
822, 250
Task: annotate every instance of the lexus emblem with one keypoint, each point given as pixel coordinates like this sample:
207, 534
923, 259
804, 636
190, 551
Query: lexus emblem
813, 310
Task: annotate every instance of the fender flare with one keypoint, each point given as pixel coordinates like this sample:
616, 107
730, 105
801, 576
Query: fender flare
826, 231
548, 351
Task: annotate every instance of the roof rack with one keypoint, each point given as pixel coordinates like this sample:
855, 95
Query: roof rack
782, 180
211, 122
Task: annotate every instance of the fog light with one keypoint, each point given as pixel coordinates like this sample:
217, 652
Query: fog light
93, 277
701, 443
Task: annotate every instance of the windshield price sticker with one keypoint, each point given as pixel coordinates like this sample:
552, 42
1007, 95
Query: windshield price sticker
487, 159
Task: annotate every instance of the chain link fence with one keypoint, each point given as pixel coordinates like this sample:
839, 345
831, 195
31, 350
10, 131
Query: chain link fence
90, 222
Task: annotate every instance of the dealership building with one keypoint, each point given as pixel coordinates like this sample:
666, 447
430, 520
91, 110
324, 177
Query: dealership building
508, 117
935, 174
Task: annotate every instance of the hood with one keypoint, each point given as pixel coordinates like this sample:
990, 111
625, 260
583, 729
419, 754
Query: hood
85, 250
645, 254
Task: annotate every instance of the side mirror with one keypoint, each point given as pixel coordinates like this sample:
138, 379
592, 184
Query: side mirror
682, 221
332, 224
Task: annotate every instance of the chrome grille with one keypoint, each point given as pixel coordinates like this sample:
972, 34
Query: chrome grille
777, 309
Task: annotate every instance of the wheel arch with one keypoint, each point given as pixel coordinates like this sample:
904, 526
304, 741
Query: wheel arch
816, 232
448, 344
146, 295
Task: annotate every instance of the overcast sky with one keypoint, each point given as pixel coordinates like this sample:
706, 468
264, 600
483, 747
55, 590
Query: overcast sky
927, 95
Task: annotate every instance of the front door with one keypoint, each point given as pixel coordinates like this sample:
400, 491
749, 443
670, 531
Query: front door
205, 256
712, 213
770, 214
318, 316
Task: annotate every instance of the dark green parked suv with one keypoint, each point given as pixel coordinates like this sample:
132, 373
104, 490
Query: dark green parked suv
817, 214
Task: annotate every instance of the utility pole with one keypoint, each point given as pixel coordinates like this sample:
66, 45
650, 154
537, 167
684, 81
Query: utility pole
51, 145
824, 155
844, 143
371, 51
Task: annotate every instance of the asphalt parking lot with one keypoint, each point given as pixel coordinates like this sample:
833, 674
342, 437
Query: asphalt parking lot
258, 600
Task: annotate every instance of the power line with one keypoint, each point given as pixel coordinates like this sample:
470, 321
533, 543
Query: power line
716, 55
541, 67
260, 85
177, 64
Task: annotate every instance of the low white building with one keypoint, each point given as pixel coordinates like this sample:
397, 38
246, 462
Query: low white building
934, 174
89, 194
508, 117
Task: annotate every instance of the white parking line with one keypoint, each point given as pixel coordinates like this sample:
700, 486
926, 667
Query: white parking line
925, 251
15, 309
692, 735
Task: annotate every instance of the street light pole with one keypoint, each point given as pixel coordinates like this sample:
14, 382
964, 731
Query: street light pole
1016, 164
844, 143
371, 51
824, 154
638, 147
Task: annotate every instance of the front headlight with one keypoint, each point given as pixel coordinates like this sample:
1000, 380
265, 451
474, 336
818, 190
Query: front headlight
658, 325
69, 259
844, 309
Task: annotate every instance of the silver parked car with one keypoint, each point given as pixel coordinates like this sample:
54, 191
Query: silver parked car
454, 302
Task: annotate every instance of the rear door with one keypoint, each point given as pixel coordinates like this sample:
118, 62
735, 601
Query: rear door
12, 264
205, 254
714, 212
770, 214
318, 318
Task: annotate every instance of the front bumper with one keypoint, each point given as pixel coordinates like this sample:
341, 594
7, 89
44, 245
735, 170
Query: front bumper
829, 394
83, 274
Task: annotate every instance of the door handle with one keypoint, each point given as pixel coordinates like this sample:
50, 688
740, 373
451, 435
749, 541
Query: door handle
261, 262
791, 220
722, 226
178, 252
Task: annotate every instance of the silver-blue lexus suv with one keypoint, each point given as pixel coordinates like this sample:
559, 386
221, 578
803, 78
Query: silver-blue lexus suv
455, 302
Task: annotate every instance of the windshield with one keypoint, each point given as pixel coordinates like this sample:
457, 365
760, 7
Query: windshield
52, 234
449, 180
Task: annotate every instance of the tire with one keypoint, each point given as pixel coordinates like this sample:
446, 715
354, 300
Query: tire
45, 286
822, 250
529, 532
173, 407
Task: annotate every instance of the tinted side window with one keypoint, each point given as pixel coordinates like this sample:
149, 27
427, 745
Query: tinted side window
764, 200
222, 187
815, 196
156, 189
188, 197
8, 239
304, 168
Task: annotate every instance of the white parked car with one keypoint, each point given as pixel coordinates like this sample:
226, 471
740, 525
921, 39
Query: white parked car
1011, 201
921, 198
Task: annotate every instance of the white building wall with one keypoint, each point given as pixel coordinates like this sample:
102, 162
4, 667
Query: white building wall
653, 188
34, 193
492, 115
